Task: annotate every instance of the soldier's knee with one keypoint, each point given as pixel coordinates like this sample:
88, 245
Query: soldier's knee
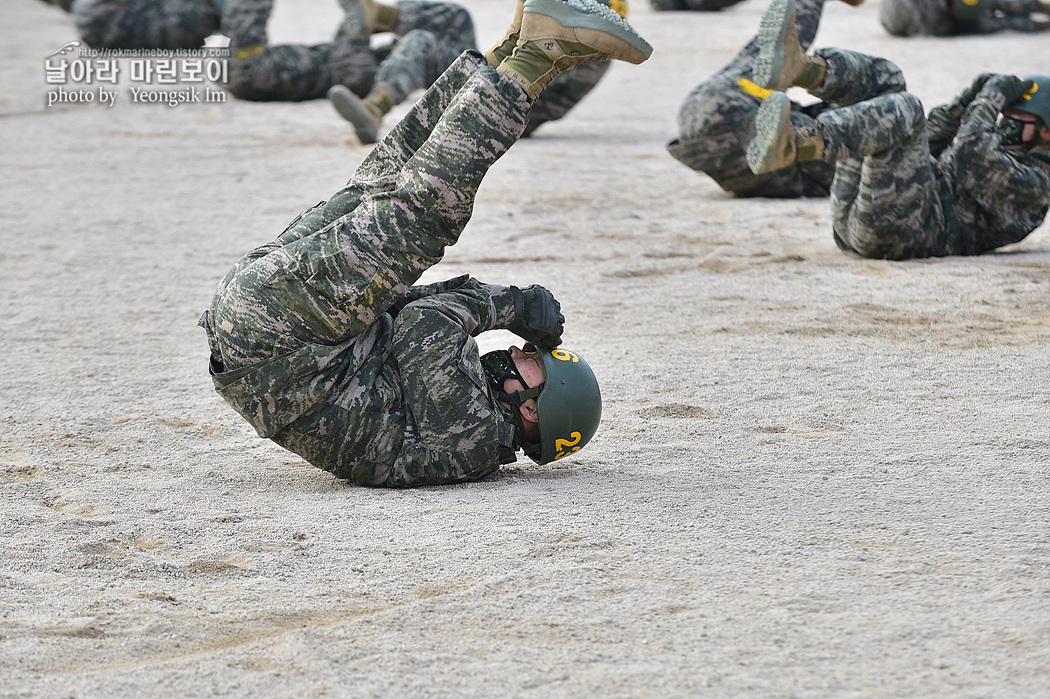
910, 109
418, 41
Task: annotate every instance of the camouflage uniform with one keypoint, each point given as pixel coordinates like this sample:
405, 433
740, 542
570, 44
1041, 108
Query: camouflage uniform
716, 122
431, 36
145, 24
895, 198
934, 18
319, 340
696, 5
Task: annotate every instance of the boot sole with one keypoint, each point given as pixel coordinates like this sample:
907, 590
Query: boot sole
351, 109
772, 31
763, 154
588, 23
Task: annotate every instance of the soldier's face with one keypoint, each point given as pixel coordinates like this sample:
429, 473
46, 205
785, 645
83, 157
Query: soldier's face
1033, 130
531, 369
529, 365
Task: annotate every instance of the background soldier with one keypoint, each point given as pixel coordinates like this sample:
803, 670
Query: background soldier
320, 342
430, 36
695, 5
564, 92
987, 184
146, 24
953, 17
716, 123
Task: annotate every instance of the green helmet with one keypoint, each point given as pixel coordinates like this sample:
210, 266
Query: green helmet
969, 10
569, 407
1037, 100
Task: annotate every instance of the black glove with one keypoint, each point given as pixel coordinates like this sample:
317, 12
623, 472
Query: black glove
537, 316
967, 95
1009, 86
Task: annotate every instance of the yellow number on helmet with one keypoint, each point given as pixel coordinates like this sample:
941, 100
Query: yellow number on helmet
560, 445
564, 355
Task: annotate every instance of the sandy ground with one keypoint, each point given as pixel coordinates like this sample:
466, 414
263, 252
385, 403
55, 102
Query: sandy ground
816, 476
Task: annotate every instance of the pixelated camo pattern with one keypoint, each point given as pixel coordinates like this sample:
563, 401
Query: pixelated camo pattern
891, 198
145, 24
932, 18
717, 122
325, 347
430, 35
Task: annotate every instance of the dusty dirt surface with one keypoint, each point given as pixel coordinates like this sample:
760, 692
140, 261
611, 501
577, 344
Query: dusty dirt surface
816, 476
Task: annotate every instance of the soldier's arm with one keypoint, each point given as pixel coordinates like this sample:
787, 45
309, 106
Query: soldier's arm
1012, 192
454, 430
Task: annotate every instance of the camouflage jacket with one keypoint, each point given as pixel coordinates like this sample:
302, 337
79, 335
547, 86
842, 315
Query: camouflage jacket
404, 404
993, 195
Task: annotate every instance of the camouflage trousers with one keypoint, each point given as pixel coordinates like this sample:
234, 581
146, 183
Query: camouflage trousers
145, 24
716, 122
695, 5
430, 37
885, 198
345, 262
933, 18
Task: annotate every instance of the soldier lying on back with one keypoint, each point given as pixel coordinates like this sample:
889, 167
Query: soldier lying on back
972, 177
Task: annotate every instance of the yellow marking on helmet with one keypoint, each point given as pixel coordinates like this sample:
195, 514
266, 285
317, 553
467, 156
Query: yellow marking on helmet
971, 3
1028, 94
564, 355
619, 7
560, 445
753, 89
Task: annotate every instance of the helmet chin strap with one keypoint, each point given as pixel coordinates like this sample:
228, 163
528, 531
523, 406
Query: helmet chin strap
499, 366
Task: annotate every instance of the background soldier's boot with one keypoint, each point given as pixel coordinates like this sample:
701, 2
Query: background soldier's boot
505, 46
365, 114
364, 17
778, 144
557, 35
781, 62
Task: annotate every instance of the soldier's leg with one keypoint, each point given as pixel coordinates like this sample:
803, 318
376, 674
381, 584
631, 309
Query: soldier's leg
853, 77
432, 34
321, 281
261, 72
885, 197
916, 17
716, 124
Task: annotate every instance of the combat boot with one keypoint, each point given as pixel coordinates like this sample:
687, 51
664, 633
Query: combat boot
781, 62
365, 114
557, 35
778, 144
505, 46
365, 17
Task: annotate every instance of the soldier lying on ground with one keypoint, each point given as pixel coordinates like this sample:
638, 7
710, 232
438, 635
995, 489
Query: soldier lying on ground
366, 111
972, 177
319, 340
953, 17
146, 24
716, 122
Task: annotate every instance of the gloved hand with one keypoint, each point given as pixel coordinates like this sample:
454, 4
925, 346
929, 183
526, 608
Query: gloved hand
537, 316
1009, 86
967, 95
